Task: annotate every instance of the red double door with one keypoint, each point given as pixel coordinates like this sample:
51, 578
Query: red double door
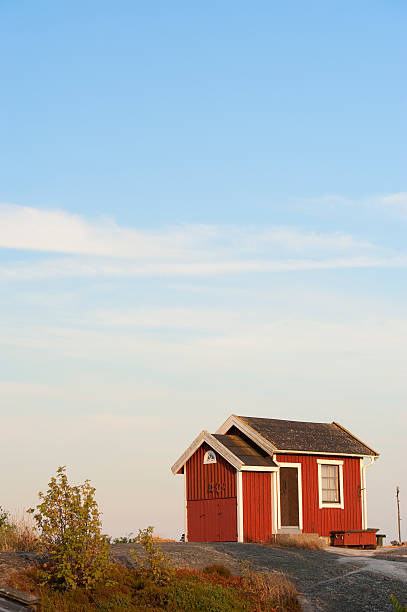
212, 520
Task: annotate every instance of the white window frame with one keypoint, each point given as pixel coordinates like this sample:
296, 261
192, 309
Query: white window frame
210, 457
341, 503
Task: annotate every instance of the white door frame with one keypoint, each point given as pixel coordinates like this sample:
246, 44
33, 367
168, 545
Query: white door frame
283, 464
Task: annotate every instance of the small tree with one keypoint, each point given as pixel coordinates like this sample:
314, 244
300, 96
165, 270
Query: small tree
155, 564
69, 522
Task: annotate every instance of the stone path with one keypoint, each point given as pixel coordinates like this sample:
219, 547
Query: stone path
330, 580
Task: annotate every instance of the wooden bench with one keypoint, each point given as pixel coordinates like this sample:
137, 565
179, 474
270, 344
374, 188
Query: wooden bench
359, 538
12, 600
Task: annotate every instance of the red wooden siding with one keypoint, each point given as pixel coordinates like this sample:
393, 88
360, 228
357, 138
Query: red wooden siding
257, 521
324, 520
212, 520
212, 481
211, 499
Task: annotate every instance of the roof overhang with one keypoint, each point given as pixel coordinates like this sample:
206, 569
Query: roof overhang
248, 431
374, 453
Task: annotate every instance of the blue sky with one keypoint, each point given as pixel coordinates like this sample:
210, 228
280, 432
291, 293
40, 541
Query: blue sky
203, 210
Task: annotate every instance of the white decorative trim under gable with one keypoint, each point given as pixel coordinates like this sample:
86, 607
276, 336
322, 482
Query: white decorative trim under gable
205, 436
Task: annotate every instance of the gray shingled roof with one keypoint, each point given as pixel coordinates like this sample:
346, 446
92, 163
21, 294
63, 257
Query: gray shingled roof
310, 437
245, 451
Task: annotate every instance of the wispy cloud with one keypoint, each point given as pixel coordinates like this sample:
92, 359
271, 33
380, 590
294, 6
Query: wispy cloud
26, 228
102, 248
396, 201
69, 268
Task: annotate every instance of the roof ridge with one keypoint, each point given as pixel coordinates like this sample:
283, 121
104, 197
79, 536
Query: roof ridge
283, 420
305, 436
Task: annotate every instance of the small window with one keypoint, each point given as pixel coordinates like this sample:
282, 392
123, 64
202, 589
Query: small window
330, 484
209, 457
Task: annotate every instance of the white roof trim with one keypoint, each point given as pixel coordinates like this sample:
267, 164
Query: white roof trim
259, 468
303, 452
217, 446
248, 431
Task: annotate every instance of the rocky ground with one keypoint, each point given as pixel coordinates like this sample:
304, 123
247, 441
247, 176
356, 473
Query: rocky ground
330, 580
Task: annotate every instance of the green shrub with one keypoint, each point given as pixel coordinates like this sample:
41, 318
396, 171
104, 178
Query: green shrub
397, 605
154, 563
219, 570
68, 519
128, 539
135, 591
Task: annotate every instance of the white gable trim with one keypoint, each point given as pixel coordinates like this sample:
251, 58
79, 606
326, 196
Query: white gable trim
248, 431
205, 436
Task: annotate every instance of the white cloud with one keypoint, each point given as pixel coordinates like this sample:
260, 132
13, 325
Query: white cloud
22, 227
101, 248
87, 268
58, 231
397, 201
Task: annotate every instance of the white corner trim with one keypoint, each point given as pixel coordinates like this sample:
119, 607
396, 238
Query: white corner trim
274, 500
186, 505
331, 461
363, 494
239, 495
248, 431
341, 504
205, 436
283, 464
363, 486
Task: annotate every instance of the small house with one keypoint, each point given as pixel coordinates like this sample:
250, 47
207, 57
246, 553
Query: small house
257, 477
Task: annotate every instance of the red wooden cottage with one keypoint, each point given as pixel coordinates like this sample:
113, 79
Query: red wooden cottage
257, 477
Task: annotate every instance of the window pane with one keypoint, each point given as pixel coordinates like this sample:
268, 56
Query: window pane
330, 483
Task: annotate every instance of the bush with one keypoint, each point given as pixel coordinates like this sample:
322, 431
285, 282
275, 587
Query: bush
154, 563
219, 570
68, 519
128, 539
128, 589
397, 605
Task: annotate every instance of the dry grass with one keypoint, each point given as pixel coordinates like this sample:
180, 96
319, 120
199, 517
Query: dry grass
272, 587
19, 535
158, 539
307, 542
